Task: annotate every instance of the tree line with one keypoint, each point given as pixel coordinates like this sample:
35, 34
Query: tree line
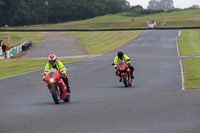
28, 12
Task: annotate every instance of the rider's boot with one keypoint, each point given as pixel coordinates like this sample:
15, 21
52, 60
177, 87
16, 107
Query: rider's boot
120, 80
132, 75
68, 89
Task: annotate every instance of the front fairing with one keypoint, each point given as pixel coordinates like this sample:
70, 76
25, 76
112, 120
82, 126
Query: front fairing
52, 77
122, 66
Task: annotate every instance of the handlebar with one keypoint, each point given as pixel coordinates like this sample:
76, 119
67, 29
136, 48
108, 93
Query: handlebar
125, 61
62, 75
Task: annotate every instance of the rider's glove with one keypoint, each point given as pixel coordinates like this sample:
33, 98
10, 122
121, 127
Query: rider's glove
44, 79
64, 75
115, 67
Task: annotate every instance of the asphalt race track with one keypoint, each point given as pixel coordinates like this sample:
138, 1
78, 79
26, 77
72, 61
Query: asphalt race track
99, 103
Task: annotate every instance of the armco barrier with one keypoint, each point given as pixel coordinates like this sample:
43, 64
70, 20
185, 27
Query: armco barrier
23, 47
26, 45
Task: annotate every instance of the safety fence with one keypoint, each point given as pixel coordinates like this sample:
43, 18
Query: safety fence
23, 47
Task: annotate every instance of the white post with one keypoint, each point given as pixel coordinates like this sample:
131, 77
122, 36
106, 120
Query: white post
1, 53
20, 48
17, 49
8, 54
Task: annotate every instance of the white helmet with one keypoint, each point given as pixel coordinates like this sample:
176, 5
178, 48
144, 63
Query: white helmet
52, 59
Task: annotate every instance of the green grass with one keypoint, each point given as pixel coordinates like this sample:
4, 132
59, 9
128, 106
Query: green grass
191, 71
182, 18
189, 43
11, 67
17, 38
104, 41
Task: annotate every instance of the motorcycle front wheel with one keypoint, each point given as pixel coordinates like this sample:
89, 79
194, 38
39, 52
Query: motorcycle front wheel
55, 95
125, 80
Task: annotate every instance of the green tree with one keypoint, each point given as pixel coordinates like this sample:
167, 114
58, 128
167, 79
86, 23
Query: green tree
25, 12
97, 9
137, 7
2, 15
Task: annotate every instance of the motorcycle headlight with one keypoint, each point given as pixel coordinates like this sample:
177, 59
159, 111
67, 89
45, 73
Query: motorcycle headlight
122, 68
51, 80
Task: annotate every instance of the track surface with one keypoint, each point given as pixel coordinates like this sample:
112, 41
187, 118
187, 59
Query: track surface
58, 43
100, 104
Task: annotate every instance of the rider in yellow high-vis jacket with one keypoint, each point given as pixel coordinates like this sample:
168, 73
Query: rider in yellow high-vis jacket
121, 56
54, 63
117, 59
58, 65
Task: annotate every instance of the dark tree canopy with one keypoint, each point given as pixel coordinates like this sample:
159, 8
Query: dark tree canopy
27, 12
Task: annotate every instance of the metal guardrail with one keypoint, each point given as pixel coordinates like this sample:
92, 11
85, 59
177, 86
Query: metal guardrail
125, 29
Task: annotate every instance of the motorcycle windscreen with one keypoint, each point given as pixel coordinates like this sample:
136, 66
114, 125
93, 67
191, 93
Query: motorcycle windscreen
121, 63
52, 71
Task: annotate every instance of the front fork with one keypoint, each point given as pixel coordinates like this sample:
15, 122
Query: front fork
127, 74
57, 87
119, 74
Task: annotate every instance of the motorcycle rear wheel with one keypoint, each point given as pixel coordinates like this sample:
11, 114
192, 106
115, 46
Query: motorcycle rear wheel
125, 80
55, 95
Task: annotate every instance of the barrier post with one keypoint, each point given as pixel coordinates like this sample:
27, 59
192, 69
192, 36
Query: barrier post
20, 48
17, 49
1, 53
8, 54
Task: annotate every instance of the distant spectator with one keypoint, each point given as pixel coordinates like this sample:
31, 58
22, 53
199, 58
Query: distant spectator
3, 48
7, 47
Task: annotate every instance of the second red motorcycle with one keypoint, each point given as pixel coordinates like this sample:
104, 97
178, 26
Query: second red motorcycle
124, 73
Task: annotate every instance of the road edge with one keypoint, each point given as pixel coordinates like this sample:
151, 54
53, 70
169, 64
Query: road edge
181, 65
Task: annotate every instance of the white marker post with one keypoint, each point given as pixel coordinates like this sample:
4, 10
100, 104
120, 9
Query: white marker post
1, 53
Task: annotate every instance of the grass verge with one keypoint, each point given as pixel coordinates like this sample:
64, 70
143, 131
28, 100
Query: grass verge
189, 46
189, 43
103, 42
11, 67
191, 71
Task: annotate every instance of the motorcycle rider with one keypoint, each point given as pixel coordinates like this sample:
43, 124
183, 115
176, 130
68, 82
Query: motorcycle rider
121, 56
54, 63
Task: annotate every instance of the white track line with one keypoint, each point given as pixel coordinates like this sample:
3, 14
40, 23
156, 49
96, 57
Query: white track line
182, 74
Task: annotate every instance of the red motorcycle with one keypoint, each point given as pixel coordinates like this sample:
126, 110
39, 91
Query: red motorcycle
56, 85
124, 73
